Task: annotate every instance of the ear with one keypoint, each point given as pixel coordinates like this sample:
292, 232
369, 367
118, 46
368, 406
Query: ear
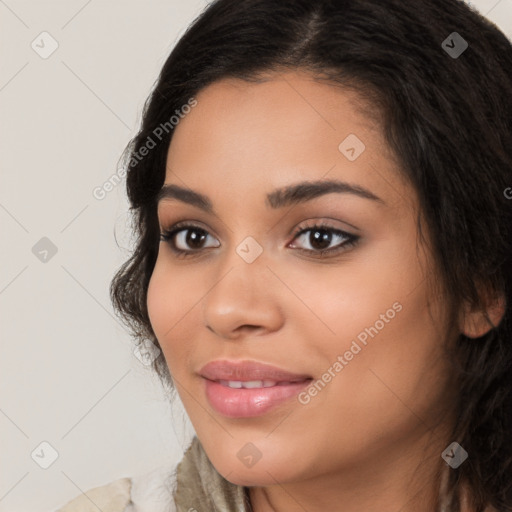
475, 321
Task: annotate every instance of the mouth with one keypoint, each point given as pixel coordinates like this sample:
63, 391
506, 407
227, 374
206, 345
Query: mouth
247, 389
256, 384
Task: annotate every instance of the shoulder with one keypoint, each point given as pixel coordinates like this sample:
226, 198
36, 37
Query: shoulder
112, 497
147, 492
191, 484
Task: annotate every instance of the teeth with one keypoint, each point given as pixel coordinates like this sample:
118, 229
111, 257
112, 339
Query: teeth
250, 384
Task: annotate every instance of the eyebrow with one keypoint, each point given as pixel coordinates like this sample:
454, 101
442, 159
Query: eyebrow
279, 198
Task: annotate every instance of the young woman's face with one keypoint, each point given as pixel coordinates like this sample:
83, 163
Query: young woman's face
356, 331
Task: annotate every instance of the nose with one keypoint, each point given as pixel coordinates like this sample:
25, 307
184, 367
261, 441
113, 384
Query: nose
243, 301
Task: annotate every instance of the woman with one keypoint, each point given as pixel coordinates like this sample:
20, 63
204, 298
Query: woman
322, 192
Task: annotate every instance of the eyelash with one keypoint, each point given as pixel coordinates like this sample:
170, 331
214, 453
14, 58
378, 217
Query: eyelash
351, 240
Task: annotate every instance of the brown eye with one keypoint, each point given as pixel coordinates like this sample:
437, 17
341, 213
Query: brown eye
318, 239
193, 238
186, 239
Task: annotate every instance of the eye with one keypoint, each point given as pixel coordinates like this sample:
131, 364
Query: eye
321, 237
188, 239
185, 239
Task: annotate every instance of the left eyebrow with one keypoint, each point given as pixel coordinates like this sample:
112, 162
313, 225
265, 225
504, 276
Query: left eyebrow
279, 198
307, 190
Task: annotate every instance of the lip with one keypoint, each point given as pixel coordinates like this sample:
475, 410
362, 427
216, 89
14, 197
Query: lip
246, 403
247, 371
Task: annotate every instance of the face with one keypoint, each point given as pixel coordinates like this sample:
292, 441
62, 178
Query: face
317, 302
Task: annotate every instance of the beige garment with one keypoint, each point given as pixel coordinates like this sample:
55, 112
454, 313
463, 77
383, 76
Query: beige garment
113, 497
200, 488
195, 485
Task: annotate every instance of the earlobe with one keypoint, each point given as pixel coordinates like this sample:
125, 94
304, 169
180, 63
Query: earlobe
477, 322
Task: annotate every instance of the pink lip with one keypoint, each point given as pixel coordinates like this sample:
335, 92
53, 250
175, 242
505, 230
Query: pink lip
247, 370
246, 403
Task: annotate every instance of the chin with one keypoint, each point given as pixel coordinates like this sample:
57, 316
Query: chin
264, 472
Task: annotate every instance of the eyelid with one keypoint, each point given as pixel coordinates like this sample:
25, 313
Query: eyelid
326, 223
183, 224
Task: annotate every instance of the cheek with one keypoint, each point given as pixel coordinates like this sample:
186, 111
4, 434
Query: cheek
393, 365
171, 299
346, 302
381, 325
352, 294
160, 302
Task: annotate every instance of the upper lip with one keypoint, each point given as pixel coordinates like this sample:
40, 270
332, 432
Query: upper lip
248, 371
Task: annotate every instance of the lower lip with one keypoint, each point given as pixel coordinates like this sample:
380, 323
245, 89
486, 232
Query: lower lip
247, 403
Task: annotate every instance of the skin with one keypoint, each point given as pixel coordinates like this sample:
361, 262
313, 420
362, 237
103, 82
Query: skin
372, 438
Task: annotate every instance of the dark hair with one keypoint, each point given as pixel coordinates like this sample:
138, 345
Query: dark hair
448, 121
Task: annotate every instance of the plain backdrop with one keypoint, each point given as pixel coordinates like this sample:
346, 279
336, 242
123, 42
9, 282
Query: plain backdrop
73, 396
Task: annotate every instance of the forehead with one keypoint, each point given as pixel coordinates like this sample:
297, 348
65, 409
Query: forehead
247, 136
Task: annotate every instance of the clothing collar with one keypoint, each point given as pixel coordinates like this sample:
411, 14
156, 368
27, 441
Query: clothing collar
200, 488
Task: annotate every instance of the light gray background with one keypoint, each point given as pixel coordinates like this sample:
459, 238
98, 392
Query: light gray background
68, 373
